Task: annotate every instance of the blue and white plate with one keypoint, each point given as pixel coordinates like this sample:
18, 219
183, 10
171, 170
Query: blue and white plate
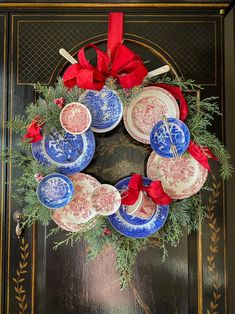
69, 153
135, 227
105, 107
168, 135
55, 191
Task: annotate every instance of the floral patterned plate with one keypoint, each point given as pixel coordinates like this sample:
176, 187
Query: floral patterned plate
105, 199
55, 190
146, 109
75, 118
181, 177
69, 153
137, 226
170, 133
80, 209
105, 107
61, 220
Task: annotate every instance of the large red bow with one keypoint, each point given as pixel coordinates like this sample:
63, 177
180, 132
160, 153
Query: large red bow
154, 191
201, 154
119, 62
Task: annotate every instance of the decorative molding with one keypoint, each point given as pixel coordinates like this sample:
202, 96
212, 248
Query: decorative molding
20, 278
214, 241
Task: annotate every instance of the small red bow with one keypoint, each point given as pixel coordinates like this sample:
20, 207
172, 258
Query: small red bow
119, 62
201, 154
34, 132
154, 191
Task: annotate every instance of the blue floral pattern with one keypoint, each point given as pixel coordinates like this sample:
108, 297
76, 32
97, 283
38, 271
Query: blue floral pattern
160, 139
105, 107
69, 153
55, 191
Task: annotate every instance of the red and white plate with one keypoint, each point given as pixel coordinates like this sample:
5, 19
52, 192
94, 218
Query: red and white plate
146, 110
75, 118
80, 209
106, 199
181, 177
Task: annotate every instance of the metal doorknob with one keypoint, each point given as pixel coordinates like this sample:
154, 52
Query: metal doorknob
18, 217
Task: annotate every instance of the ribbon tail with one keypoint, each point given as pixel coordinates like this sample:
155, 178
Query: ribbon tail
115, 31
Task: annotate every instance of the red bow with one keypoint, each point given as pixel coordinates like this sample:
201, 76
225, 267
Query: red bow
34, 132
154, 190
177, 93
119, 62
201, 154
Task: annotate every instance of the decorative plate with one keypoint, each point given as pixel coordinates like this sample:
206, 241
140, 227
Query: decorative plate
170, 138
180, 177
106, 109
55, 191
59, 217
80, 209
136, 227
105, 199
146, 109
75, 118
69, 153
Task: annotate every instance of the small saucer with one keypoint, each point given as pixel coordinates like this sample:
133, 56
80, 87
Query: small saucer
170, 138
55, 191
105, 199
75, 118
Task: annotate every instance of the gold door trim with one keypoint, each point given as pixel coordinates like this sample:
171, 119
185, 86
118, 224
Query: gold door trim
12, 5
3, 143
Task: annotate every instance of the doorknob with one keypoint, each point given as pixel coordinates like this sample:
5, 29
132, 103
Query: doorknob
18, 217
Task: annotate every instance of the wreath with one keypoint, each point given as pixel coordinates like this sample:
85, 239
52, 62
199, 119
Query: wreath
57, 144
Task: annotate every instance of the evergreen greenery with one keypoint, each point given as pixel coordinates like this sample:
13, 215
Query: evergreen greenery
184, 215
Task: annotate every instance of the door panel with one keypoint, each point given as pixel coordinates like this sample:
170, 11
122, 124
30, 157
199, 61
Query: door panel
192, 279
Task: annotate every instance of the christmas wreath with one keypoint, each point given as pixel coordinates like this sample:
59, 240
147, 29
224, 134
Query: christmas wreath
57, 143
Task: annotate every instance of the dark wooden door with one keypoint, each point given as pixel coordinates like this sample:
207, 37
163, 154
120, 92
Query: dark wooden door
193, 277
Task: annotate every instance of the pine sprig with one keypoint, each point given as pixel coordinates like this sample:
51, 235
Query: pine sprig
127, 251
200, 117
186, 214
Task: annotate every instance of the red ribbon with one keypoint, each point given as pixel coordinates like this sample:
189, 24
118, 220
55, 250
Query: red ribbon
154, 190
177, 93
119, 62
34, 132
201, 154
